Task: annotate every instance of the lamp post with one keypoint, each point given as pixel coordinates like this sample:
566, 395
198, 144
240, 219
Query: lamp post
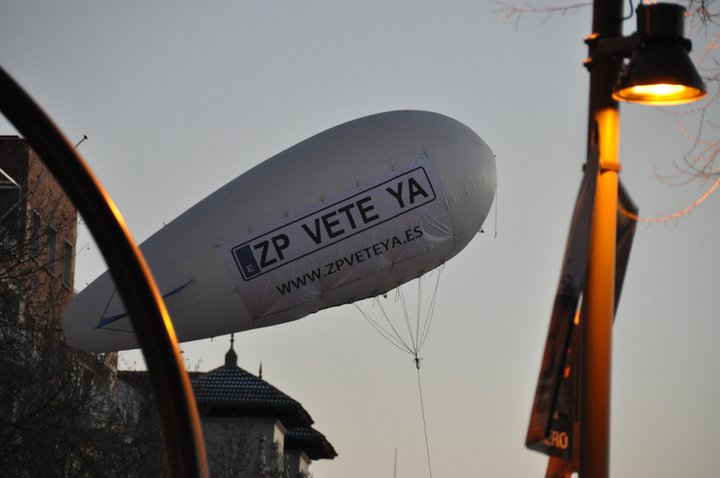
659, 73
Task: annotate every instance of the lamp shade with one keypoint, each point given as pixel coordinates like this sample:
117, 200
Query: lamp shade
660, 71
660, 74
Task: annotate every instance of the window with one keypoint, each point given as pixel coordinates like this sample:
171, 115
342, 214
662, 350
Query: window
10, 311
67, 275
35, 235
51, 244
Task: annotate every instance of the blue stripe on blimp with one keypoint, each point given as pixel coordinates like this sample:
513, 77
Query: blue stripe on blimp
107, 320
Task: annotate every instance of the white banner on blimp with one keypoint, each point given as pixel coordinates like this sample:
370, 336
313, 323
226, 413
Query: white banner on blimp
340, 240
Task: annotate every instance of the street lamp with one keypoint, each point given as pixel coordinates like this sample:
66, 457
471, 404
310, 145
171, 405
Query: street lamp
659, 73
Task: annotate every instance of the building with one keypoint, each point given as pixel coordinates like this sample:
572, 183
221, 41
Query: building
38, 230
252, 429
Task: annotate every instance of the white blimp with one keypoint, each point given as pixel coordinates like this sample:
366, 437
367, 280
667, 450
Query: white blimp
348, 214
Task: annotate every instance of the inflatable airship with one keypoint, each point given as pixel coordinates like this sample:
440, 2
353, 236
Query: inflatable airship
347, 214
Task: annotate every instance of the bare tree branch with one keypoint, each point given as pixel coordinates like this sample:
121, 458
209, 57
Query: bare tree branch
508, 11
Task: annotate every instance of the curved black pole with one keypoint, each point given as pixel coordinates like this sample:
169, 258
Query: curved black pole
149, 318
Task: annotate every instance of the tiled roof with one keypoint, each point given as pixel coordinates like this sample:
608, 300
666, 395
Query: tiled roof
311, 441
231, 391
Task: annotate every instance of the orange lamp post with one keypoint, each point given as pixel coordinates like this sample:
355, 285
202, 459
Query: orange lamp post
659, 73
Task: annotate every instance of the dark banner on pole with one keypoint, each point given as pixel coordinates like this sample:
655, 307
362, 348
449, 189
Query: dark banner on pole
541, 435
554, 422
626, 226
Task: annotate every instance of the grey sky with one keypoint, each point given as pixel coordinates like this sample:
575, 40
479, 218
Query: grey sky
177, 98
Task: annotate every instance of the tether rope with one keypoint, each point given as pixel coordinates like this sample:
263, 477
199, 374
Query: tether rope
417, 335
422, 409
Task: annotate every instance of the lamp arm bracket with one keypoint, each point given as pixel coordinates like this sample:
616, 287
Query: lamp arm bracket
615, 47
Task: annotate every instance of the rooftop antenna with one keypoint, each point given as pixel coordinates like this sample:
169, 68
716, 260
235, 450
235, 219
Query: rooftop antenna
84, 138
